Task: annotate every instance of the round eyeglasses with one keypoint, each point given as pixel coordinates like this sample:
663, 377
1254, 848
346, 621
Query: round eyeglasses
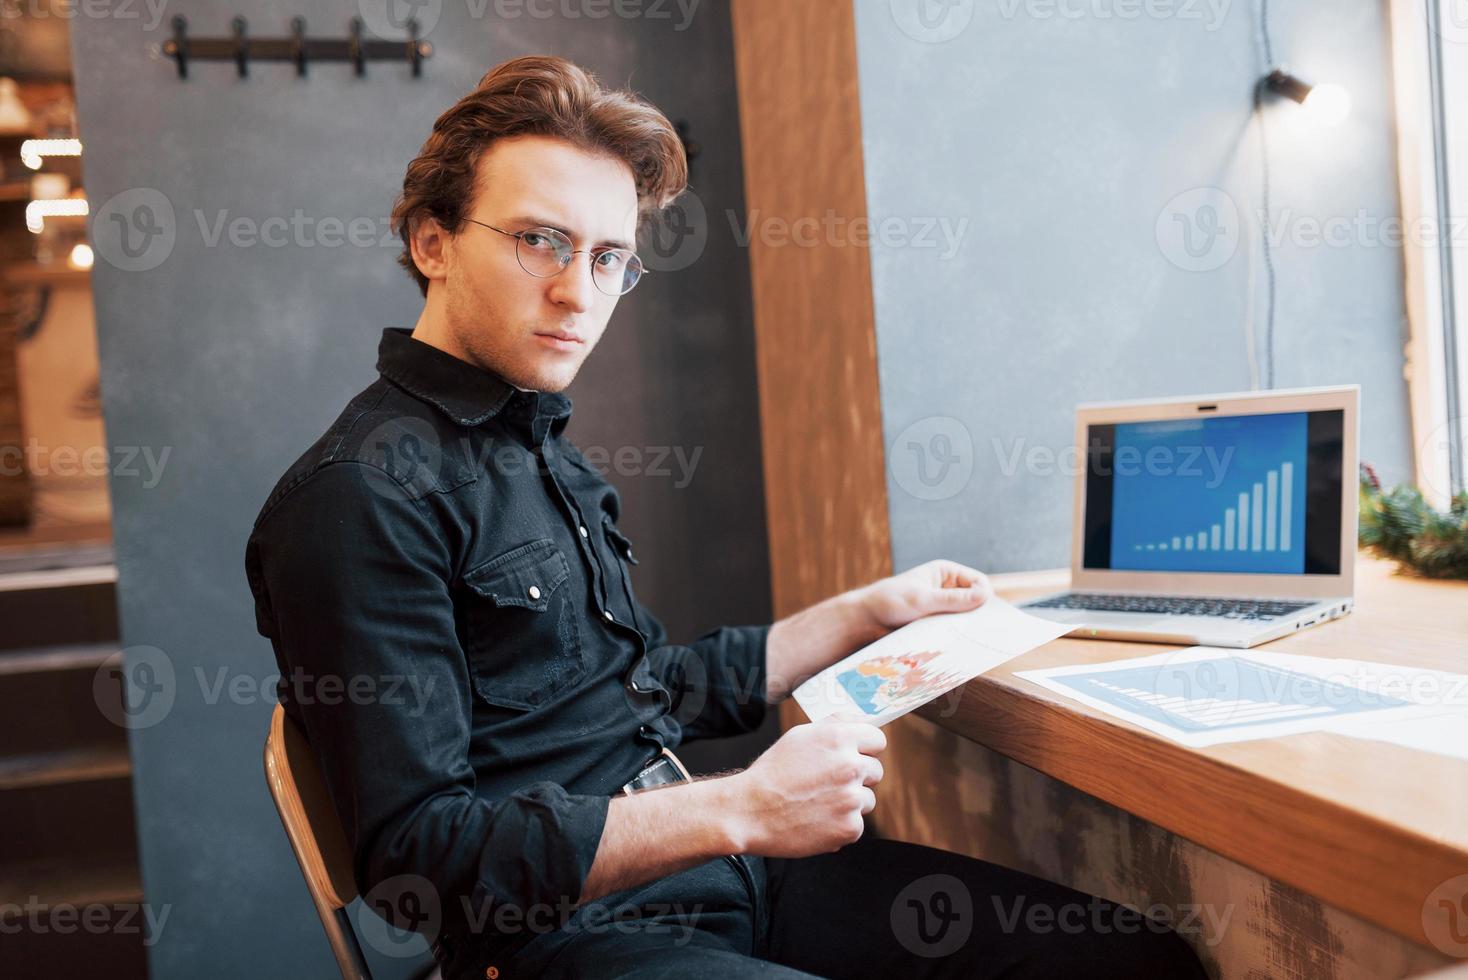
546, 253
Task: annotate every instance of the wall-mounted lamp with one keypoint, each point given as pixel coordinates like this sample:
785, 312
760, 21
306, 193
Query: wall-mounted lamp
36, 212
1327, 104
34, 152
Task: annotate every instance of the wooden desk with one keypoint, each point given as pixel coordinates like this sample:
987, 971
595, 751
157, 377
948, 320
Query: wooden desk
1370, 828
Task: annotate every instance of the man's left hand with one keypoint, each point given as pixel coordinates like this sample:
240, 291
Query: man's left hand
939, 586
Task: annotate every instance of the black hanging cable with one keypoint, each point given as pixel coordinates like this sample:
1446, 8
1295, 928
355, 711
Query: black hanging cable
1264, 216
1264, 36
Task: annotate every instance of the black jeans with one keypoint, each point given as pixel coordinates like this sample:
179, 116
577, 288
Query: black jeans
875, 909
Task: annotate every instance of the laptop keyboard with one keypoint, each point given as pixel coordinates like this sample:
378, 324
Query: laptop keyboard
1241, 609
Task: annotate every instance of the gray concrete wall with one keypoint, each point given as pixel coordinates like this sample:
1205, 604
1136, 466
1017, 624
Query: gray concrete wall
232, 359
1067, 146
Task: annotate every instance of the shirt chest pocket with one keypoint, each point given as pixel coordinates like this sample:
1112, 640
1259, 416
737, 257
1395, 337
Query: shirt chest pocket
521, 636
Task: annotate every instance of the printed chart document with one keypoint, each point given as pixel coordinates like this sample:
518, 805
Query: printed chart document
1208, 696
923, 660
1441, 727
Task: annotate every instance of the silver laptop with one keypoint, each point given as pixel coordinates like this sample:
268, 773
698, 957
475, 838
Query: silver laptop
1226, 520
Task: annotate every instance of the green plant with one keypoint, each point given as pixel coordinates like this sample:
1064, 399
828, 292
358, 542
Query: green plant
1399, 524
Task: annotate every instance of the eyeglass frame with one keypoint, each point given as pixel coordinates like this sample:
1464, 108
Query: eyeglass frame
594, 252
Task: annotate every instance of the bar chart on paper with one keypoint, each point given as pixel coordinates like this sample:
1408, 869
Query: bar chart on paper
1216, 495
1207, 697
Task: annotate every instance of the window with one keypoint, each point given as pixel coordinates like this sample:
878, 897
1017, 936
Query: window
1430, 51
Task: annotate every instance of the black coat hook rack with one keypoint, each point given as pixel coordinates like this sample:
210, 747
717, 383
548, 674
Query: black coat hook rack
242, 49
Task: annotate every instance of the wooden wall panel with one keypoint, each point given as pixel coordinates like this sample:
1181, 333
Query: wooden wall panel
820, 408
15, 481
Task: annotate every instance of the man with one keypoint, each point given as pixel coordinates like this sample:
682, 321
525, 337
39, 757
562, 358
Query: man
444, 535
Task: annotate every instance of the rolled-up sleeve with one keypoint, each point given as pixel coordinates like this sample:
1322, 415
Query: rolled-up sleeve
717, 682
352, 582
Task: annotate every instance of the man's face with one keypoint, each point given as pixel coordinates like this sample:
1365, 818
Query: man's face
535, 332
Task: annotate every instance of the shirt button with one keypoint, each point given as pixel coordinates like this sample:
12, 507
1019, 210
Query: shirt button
608, 614
584, 533
647, 731
535, 592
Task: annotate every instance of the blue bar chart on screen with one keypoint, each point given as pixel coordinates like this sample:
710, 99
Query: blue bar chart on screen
1211, 495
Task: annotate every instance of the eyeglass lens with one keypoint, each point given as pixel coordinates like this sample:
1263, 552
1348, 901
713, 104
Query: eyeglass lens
545, 252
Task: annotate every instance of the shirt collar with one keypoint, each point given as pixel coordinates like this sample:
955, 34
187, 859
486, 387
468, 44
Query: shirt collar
467, 394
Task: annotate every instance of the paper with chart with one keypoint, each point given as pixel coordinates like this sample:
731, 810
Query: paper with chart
1207, 696
1441, 728
923, 660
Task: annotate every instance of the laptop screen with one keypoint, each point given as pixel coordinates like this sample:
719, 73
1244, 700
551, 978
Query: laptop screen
1252, 494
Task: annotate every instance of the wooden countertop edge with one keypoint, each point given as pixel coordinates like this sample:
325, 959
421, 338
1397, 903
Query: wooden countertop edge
1349, 859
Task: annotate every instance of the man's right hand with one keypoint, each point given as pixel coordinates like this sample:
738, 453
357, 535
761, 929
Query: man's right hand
808, 792
806, 795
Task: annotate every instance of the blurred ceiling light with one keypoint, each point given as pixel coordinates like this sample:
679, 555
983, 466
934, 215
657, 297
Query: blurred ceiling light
37, 212
14, 116
1326, 104
33, 152
50, 187
81, 256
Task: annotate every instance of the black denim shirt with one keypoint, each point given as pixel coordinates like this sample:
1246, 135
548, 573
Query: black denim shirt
448, 595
